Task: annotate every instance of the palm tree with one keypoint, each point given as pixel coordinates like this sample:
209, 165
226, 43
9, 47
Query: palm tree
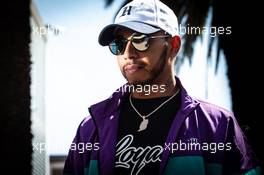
242, 69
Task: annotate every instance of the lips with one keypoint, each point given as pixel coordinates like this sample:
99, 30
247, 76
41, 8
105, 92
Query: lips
132, 68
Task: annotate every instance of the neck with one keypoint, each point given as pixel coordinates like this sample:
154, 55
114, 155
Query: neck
162, 88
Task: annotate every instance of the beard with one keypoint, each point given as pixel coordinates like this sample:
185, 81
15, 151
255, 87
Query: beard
153, 73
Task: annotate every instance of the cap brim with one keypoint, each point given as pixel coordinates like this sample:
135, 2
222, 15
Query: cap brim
107, 34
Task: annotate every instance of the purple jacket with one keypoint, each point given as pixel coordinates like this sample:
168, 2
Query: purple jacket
207, 123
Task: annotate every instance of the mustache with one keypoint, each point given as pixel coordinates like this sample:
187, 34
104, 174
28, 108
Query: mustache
137, 62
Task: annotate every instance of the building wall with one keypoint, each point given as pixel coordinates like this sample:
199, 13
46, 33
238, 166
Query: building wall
38, 41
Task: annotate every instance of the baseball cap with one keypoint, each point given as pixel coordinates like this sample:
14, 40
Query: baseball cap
143, 16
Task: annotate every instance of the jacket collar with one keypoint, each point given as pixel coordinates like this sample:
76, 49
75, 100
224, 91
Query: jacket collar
110, 106
106, 113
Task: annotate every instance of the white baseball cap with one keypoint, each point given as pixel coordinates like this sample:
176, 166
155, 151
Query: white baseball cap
143, 16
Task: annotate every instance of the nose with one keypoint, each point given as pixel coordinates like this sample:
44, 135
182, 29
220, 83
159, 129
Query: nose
130, 52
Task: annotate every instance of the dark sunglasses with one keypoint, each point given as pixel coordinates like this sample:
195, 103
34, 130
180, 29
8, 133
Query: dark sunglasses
139, 41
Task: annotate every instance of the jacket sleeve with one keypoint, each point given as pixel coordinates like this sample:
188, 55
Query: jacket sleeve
240, 159
81, 148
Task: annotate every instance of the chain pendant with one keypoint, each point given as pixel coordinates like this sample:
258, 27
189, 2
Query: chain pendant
143, 124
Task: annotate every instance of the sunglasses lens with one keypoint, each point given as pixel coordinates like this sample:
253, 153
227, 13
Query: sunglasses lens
140, 42
117, 47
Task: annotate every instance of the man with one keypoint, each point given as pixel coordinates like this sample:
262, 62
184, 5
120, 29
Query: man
151, 125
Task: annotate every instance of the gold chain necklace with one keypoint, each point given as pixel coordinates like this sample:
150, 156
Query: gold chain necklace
144, 124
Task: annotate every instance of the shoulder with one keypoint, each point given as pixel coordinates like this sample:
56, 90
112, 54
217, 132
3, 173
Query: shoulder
213, 110
86, 130
213, 119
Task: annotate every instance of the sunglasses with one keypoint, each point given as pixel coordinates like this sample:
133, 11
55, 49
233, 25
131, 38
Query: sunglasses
139, 41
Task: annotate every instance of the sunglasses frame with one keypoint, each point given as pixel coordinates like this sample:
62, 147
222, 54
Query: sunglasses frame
124, 41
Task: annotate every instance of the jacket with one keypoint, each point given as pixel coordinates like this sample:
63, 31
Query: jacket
221, 145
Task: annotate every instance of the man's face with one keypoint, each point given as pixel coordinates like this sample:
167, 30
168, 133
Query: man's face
147, 67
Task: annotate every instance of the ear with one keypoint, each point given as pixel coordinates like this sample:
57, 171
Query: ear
176, 44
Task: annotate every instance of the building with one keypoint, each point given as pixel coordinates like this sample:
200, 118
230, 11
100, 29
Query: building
40, 161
